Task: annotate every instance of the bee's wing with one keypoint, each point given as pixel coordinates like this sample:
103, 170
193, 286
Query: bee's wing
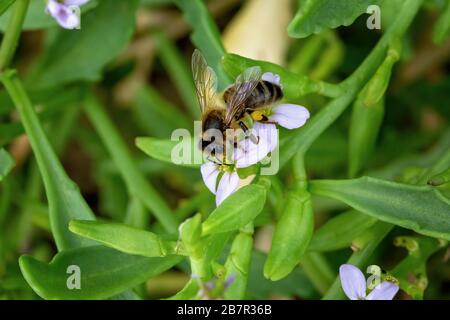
244, 85
205, 81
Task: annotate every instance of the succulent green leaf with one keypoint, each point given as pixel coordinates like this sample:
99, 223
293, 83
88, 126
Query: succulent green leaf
419, 208
6, 163
162, 149
339, 232
125, 238
104, 272
236, 211
315, 16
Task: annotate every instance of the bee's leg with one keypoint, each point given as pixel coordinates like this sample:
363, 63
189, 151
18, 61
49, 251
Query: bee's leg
263, 118
244, 128
247, 132
254, 139
246, 121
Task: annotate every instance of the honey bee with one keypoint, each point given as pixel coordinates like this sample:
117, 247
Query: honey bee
263, 95
241, 103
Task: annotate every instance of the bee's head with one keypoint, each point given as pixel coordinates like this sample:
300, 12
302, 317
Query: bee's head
212, 135
214, 121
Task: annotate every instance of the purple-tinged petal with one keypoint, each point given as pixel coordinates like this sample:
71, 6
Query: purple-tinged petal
75, 2
227, 185
290, 116
353, 282
230, 279
384, 291
210, 285
210, 171
65, 17
271, 77
248, 153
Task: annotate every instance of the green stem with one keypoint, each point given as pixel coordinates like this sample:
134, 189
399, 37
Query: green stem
12, 33
329, 90
301, 140
136, 183
302, 61
318, 271
330, 58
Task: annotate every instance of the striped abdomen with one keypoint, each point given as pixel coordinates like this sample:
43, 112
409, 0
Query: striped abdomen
264, 94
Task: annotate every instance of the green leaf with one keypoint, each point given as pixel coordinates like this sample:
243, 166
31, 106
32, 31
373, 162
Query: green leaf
36, 18
291, 236
125, 238
367, 116
295, 85
4, 5
189, 292
238, 263
420, 208
300, 140
205, 35
76, 55
64, 198
339, 232
236, 211
214, 246
441, 30
104, 272
440, 178
155, 3
314, 16
6, 163
161, 149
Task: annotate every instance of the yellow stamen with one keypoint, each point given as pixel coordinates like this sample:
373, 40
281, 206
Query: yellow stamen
257, 115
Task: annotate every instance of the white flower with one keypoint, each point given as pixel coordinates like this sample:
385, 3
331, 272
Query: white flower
229, 181
64, 13
290, 116
354, 285
271, 77
248, 153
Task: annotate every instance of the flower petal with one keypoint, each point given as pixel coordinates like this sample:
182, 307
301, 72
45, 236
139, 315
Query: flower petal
210, 171
63, 15
353, 282
271, 77
227, 185
248, 153
384, 291
75, 2
290, 116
